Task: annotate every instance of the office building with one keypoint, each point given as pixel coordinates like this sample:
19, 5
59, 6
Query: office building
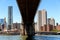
42, 18
3, 23
16, 26
51, 21
10, 17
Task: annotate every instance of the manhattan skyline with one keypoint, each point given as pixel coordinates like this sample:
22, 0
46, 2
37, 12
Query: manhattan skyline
51, 6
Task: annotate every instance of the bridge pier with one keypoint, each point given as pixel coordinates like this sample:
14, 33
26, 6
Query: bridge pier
30, 30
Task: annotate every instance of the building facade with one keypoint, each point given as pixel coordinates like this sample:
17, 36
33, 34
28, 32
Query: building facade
51, 21
16, 26
10, 17
1, 21
46, 28
3, 24
58, 27
42, 18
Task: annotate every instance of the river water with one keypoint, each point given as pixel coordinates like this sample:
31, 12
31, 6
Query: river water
18, 37
14, 37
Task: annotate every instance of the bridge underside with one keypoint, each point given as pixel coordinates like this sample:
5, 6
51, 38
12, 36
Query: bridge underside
28, 10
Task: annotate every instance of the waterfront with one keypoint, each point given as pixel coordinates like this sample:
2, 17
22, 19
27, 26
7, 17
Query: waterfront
18, 37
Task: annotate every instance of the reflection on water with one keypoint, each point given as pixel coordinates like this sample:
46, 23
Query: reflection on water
14, 37
18, 37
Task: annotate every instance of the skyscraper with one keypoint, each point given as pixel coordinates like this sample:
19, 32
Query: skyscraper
5, 24
10, 17
1, 23
42, 18
51, 21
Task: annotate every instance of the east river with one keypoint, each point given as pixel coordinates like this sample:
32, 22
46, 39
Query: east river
18, 37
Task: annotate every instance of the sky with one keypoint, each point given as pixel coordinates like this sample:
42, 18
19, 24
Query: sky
51, 6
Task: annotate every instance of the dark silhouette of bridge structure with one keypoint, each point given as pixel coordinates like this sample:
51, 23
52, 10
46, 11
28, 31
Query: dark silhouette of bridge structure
28, 10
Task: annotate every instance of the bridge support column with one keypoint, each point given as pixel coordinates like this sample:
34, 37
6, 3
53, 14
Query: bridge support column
30, 30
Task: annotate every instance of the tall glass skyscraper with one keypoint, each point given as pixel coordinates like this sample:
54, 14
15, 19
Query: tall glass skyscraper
10, 17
